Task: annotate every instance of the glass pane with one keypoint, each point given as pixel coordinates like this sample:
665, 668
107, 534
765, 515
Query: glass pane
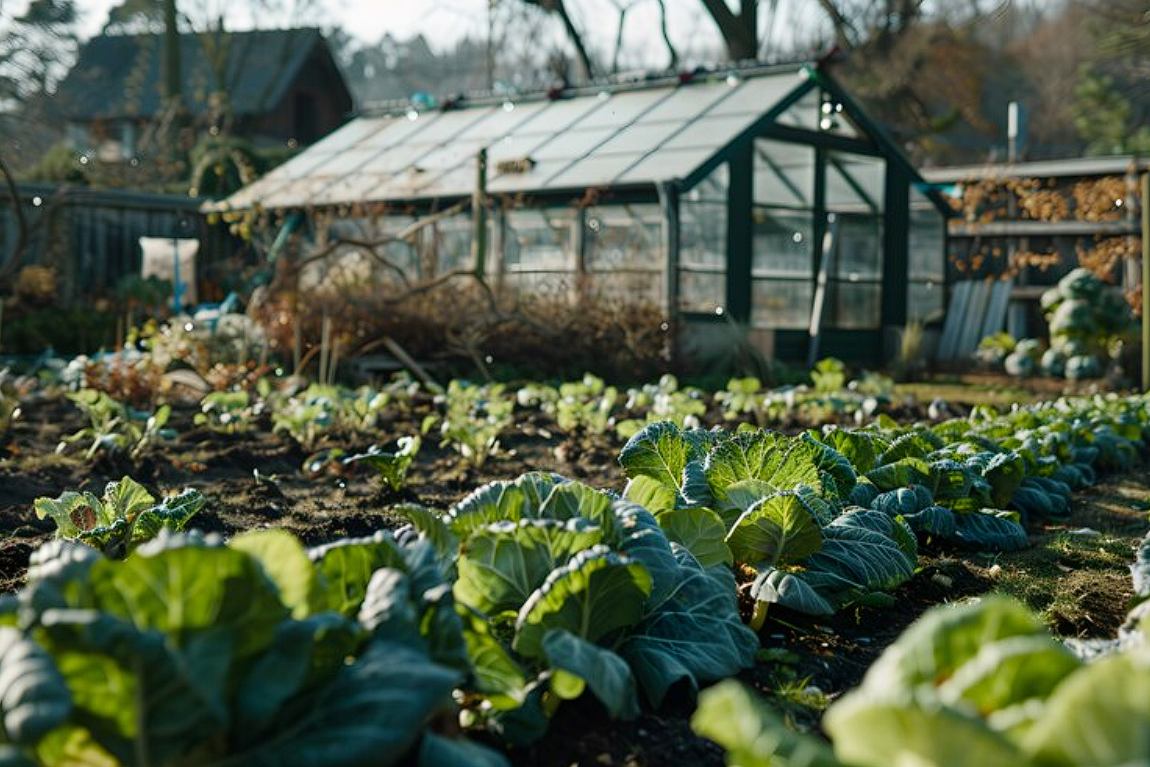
859, 248
638, 138
713, 188
853, 305
804, 113
572, 144
539, 240
782, 245
779, 303
784, 173
855, 183
927, 238
702, 291
446, 245
628, 286
555, 286
707, 131
621, 108
924, 300
687, 102
624, 237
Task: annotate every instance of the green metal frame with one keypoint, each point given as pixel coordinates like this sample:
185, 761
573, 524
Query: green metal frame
740, 232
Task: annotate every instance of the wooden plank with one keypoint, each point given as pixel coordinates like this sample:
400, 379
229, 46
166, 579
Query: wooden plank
1021, 228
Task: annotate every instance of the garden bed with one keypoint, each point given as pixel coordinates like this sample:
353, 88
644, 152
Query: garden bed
1075, 572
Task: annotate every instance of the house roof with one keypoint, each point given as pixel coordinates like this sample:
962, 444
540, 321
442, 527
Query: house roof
121, 76
605, 136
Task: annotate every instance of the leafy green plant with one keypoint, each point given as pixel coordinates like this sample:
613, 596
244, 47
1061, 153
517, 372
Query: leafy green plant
832, 516
662, 401
577, 592
743, 397
980, 683
774, 504
994, 349
322, 409
227, 412
1086, 318
116, 428
391, 468
473, 420
585, 406
126, 516
257, 652
829, 375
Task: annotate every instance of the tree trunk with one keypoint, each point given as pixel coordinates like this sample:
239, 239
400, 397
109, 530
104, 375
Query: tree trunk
739, 31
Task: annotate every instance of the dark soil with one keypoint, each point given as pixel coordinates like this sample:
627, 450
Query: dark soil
1079, 582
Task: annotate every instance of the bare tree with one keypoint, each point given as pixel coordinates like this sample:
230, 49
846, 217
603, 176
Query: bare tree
582, 55
739, 28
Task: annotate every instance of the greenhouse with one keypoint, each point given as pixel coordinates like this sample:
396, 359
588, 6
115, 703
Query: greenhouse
762, 195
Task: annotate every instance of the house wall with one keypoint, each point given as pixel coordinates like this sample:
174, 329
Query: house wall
316, 104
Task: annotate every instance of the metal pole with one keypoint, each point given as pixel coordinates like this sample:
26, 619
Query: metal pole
1145, 203
479, 216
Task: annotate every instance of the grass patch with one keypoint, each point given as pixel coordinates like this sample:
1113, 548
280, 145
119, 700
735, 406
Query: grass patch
1079, 584
1001, 397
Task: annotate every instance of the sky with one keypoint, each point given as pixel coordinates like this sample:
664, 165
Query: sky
444, 22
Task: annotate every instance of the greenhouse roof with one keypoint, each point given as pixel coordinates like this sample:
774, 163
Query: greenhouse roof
631, 135
617, 136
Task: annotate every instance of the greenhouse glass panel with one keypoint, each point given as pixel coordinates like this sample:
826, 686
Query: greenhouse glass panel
925, 300
853, 306
782, 245
620, 109
927, 244
540, 240
623, 252
804, 113
781, 304
854, 193
446, 245
927, 238
855, 183
783, 226
703, 244
702, 292
572, 144
623, 238
859, 252
784, 174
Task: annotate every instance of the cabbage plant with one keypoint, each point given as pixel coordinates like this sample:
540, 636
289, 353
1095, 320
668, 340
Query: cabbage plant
390, 467
231, 412
774, 504
474, 418
252, 653
119, 521
1086, 316
571, 591
115, 428
980, 683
